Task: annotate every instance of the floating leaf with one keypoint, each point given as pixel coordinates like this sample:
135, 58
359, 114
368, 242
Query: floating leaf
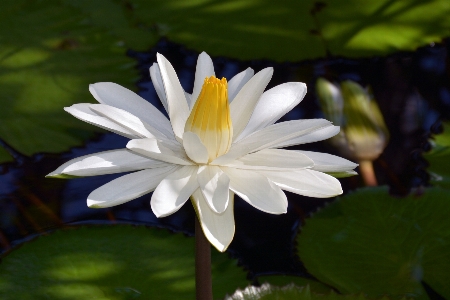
111, 262
439, 159
284, 280
297, 30
48, 57
370, 242
290, 292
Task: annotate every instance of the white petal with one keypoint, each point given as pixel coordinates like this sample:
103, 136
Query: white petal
115, 95
214, 184
306, 183
174, 191
273, 159
238, 81
205, 68
245, 101
158, 84
159, 150
194, 148
342, 174
107, 162
325, 162
127, 120
218, 228
128, 187
274, 104
176, 100
313, 136
257, 190
84, 113
271, 137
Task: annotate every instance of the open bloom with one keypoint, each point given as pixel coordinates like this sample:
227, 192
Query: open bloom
221, 139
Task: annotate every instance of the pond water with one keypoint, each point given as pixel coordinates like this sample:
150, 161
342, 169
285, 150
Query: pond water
413, 92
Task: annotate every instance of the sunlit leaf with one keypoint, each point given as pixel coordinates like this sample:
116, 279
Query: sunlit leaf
370, 242
291, 292
111, 262
297, 30
284, 280
48, 57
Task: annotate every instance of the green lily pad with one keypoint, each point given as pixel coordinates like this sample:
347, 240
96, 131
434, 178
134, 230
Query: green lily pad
111, 262
297, 30
439, 159
48, 58
285, 280
290, 292
371, 242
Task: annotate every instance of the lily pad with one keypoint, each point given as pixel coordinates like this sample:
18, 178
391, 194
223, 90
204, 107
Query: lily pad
290, 292
48, 57
297, 30
439, 159
111, 262
285, 280
371, 242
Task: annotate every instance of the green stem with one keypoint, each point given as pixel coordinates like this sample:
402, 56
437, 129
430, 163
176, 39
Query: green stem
203, 281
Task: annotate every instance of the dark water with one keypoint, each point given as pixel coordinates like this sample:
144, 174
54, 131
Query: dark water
413, 92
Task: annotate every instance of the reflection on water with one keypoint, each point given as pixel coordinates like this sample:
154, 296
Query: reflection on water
413, 90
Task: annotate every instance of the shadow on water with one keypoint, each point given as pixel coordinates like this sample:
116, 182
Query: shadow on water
412, 89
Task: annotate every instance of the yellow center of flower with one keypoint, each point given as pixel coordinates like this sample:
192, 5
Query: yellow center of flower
210, 117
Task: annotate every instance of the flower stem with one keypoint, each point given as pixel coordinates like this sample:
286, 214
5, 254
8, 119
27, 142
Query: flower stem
203, 281
367, 172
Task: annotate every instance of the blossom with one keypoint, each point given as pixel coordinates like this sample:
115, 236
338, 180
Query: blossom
221, 140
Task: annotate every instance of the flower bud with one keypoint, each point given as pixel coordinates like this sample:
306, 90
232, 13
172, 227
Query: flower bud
363, 133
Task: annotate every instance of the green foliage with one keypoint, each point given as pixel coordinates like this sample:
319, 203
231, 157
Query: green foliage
48, 57
284, 280
297, 30
111, 262
439, 159
373, 243
290, 292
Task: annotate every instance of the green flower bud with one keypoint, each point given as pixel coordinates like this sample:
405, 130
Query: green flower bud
364, 134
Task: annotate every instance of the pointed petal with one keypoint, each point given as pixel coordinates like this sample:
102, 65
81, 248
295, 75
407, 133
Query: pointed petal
160, 150
158, 84
115, 95
128, 187
107, 162
205, 68
174, 191
176, 100
274, 104
342, 174
214, 184
218, 228
127, 120
324, 162
271, 137
82, 112
306, 183
273, 159
257, 190
238, 81
314, 136
245, 101
194, 148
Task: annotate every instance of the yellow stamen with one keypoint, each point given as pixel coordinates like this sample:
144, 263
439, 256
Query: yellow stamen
210, 117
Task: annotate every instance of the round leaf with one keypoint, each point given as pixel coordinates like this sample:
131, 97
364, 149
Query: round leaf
370, 242
111, 262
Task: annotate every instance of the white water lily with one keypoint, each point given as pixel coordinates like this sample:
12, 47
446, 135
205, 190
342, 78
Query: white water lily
221, 139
